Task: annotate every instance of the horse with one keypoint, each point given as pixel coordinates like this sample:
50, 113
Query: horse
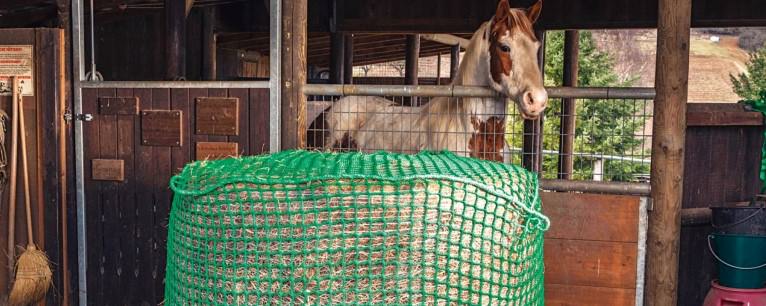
502, 54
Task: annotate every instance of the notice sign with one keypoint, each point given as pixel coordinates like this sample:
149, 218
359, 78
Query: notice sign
16, 60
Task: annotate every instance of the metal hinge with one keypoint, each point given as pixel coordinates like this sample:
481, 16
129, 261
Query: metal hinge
68, 116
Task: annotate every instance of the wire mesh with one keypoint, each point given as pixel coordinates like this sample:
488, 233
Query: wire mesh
612, 140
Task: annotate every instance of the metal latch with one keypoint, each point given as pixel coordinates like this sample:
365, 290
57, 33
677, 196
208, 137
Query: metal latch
82, 117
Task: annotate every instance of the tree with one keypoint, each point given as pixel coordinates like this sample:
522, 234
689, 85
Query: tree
750, 84
604, 127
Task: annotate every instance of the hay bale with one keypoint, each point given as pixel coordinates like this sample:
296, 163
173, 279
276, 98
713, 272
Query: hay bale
313, 228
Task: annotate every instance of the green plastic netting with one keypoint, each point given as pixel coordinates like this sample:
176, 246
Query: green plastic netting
303, 227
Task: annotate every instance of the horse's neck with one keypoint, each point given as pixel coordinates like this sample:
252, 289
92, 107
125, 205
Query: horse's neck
473, 71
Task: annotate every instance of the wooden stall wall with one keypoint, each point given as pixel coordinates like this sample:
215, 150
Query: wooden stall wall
127, 172
723, 156
591, 249
43, 114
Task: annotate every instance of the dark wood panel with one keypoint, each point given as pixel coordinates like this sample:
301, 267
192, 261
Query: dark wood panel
590, 263
721, 165
128, 226
571, 295
591, 216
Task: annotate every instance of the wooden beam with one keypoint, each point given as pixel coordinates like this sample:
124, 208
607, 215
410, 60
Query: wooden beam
454, 63
348, 59
294, 40
672, 81
209, 44
447, 39
175, 40
411, 60
569, 106
62, 9
337, 49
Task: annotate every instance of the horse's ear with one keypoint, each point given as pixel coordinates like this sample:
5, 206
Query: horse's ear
533, 12
503, 11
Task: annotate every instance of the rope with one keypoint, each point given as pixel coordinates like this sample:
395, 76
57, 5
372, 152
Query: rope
3, 154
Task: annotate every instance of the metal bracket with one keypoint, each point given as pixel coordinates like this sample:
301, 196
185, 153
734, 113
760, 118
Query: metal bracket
68, 116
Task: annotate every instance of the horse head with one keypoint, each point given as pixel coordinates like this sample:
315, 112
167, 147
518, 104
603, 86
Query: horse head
512, 57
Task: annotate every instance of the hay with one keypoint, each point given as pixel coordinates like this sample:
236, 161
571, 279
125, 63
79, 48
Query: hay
361, 241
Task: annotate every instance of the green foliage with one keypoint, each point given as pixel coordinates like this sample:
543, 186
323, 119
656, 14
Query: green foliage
748, 85
604, 127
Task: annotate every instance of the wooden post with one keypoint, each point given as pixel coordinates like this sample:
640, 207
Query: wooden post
568, 107
411, 61
671, 84
175, 39
209, 44
294, 17
348, 59
532, 140
337, 50
454, 61
439, 69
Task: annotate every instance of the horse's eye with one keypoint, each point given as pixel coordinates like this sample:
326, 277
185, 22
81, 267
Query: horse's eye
505, 48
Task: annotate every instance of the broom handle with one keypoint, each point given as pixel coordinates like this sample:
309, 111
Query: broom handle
25, 165
14, 170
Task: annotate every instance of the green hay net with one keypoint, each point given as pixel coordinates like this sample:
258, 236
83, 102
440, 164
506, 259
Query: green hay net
303, 227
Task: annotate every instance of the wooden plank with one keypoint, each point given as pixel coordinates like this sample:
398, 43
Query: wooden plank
161, 128
572, 295
243, 138
259, 121
724, 119
591, 216
219, 93
144, 176
126, 201
160, 206
217, 116
590, 263
118, 105
93, 205
216, 150
108, 170
109, 221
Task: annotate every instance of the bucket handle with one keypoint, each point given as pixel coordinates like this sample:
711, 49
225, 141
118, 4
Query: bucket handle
710, 246
737, 222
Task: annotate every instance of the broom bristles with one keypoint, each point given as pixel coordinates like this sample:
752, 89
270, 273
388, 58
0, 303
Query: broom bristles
33, 277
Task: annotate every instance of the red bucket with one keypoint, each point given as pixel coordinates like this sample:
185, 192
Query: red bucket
725, 296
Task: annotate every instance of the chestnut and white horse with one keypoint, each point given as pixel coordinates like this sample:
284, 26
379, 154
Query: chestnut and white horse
502, 55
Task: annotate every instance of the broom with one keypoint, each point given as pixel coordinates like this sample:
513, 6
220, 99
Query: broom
12, 191
33, 273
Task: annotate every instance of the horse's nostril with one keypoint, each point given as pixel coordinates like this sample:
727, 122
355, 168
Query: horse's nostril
528, 98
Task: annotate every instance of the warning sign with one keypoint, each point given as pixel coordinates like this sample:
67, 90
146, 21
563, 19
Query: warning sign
16, 60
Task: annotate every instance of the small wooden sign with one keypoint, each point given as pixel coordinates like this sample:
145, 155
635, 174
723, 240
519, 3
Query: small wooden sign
217, 116
161, 128
108, 170
216, 150
118, 105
